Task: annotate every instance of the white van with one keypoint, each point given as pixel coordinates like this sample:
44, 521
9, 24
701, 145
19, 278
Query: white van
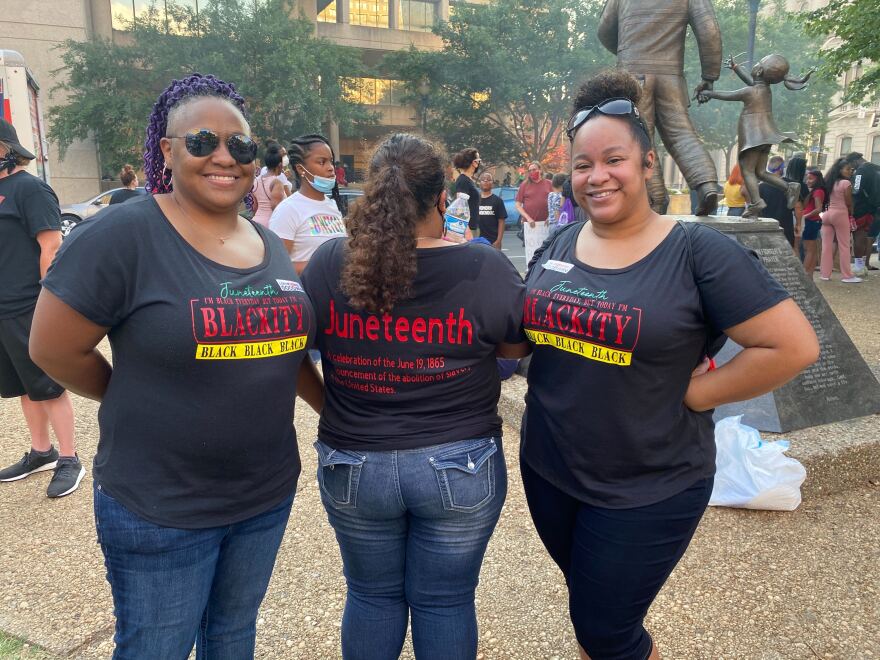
20, 106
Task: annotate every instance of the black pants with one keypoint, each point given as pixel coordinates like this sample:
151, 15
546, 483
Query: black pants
614, 560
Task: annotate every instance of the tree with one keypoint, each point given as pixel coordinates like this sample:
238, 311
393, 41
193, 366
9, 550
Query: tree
504, 79
778, 31
291, 80
855, 24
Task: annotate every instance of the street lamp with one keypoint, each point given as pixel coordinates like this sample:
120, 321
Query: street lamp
753, 26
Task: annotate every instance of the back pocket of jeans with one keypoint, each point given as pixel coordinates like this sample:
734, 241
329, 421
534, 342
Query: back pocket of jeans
339, 471
466, 474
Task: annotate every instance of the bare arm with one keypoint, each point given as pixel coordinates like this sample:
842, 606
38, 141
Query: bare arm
49, 242
522, 213
777, 345
607, 30
499, 241
513, 351
276, 193
63, 344
309, 386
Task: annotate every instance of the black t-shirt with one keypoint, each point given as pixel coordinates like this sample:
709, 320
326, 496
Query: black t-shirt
27, 207
866, 190
196, 425
777, 208
464, 184
614, 352
426, 373
490, 211
123, 195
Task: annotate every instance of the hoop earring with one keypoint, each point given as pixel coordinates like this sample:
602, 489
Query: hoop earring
166, 176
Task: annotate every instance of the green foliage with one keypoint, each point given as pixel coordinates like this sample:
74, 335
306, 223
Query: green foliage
855, 24
504, 79
778, 31
290, 79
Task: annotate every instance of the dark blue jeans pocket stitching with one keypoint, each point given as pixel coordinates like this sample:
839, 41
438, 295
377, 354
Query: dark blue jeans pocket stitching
466, 475
339, 472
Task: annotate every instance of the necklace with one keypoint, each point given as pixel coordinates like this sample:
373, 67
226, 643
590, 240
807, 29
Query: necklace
186, 215
425, 238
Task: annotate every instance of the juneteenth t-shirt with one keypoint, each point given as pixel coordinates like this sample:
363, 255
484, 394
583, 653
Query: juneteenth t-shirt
196, 425
424, 374
614, 350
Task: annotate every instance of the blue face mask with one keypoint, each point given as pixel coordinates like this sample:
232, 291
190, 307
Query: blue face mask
322, 184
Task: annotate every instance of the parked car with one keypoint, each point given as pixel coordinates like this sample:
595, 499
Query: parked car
72, 214
508, 195
349, 195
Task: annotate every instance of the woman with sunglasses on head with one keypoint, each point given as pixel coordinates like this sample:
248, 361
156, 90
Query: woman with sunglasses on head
310, 216
411, 470
197, 461
618, 465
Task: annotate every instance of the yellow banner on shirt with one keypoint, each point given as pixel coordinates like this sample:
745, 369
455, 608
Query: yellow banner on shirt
582, 348
252, 350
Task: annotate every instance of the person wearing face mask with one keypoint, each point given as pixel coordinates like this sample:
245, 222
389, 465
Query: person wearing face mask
467, 162
531, 202
274, 145
311, 215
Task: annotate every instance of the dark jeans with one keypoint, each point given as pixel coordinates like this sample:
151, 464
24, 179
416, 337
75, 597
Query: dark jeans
412, 527
614, 560
172, 587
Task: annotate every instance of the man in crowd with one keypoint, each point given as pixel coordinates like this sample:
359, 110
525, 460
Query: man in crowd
492, 213
30, 234
866, 210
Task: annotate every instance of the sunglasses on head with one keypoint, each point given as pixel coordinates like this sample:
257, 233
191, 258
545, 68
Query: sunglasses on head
617, 107
203, 143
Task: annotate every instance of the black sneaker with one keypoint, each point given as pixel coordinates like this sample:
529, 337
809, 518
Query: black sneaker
29, 464
67, 476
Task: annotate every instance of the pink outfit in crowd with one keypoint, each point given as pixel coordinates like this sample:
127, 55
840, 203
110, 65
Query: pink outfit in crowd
262, 186
835, 222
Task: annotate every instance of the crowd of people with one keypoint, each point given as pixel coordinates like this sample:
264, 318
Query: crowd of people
839, 210
210, 317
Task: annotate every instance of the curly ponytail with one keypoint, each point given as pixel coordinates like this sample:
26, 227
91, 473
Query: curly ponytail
404, 182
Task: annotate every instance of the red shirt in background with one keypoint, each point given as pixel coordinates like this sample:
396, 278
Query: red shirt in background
533, 197
340, 176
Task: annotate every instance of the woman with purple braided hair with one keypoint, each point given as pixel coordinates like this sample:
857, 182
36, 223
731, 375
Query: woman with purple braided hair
197, 461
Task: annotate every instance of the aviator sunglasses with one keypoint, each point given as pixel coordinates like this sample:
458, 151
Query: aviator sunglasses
203, 142
617, 107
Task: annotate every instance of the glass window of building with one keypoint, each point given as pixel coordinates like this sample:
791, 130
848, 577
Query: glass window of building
371, 13
372, 91
845, 145
326, 11
122, 12
875, 150
417, 15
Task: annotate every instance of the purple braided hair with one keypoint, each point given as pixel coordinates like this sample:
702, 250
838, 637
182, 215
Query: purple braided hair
158, 179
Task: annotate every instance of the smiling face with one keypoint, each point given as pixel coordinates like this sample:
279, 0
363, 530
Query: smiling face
216, 182
812, 180
609, 174
846, 171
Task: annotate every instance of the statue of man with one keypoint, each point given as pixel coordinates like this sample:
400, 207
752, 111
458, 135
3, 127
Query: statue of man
648, 39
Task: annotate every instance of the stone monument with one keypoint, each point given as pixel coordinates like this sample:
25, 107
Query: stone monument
840, 385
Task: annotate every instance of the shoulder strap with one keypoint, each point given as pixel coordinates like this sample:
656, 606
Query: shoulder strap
550, 241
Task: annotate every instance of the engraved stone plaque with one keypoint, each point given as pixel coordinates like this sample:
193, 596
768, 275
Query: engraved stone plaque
840, 385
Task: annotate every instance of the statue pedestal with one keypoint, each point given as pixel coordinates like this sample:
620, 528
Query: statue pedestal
840, 385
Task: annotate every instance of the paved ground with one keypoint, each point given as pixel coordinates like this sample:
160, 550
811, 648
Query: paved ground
757, 585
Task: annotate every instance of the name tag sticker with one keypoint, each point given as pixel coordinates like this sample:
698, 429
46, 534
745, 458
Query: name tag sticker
558, 266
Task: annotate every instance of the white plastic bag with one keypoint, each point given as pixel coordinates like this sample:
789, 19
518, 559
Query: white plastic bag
752, 473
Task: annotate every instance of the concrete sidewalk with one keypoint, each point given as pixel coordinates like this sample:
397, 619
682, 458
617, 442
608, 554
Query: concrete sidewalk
753, 584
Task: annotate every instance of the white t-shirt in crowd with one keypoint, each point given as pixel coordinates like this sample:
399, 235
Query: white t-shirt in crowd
306, 222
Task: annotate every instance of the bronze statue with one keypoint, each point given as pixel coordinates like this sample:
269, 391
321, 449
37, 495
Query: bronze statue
757, 131
648, 38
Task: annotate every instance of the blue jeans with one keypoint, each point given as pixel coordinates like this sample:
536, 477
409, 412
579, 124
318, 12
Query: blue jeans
172, 587
412, 527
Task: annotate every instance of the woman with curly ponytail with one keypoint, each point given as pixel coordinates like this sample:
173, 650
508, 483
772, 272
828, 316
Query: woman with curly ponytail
197, 461
411, 468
